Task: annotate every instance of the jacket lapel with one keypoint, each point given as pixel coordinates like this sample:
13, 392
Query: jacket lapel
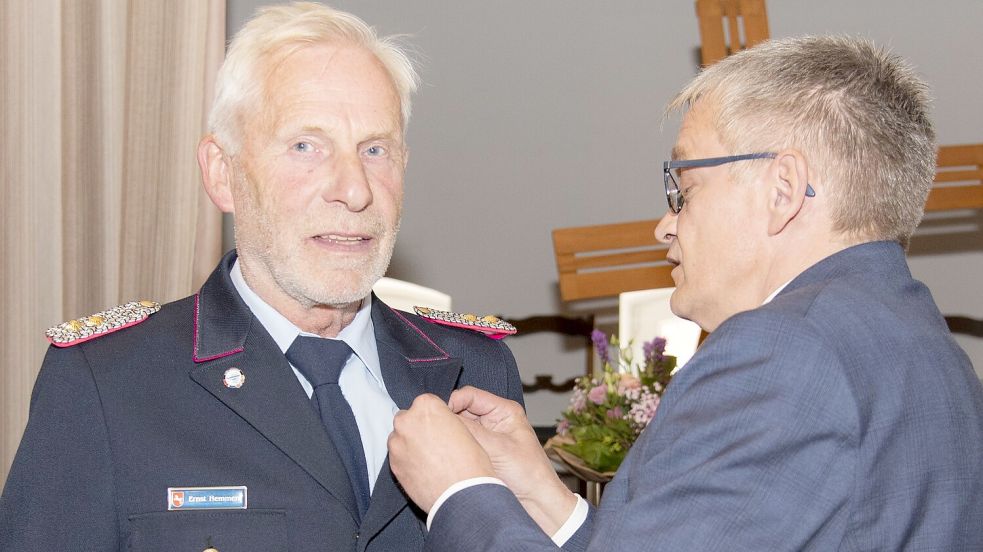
271, 399
412, 364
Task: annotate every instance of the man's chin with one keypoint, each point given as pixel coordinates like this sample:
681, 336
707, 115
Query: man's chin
677, 275
341, 295
335, 280
354, 287
678, 303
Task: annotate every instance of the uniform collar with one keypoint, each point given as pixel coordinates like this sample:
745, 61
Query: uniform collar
359, 334
223, 322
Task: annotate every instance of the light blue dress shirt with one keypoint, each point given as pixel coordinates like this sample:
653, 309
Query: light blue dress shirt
360, 381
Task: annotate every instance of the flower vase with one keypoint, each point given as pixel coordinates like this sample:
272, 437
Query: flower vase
593, 479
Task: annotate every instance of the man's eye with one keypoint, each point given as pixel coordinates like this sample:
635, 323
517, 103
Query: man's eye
375, 151
304, 147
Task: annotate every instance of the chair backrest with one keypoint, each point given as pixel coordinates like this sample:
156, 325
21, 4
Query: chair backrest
564, 325
605, 260
965, 325
645, 315
959, 180
609, 259
729, 26
578, 328
959, 185
405, 295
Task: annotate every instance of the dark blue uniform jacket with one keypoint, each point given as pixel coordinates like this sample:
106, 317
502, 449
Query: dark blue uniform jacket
117, 420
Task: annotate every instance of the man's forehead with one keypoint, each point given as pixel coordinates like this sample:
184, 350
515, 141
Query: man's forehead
684, 146
327, 80
697, 134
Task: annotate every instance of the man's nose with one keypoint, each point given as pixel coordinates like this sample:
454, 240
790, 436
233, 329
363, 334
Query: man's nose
665, 231
348, 183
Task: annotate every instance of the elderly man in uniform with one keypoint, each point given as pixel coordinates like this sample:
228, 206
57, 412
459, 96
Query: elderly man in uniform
254, 414
830, 409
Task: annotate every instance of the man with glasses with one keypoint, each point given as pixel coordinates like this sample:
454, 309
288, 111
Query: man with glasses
673, 195
829, 409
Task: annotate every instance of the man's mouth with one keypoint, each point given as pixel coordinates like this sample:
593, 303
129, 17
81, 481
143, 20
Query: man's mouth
342, 239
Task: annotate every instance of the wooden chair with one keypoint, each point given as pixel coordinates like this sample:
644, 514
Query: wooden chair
965, 325
959, 180
959, 185
563, 325
721, 27
609, 259
606, 260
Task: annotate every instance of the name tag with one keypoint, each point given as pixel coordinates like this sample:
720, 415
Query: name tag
206, 498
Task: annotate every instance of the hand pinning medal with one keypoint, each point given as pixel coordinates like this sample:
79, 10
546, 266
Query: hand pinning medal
492, 326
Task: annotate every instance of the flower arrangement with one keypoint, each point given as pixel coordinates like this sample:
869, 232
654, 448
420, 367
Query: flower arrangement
607, 413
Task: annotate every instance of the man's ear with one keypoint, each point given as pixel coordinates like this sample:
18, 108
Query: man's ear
216, 173
788, 180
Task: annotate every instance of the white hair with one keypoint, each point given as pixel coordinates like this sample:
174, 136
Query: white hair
274, 33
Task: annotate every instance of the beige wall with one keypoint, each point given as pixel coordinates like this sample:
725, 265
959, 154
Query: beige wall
543, 114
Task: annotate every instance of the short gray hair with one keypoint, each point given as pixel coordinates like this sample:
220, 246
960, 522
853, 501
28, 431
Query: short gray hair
277, 31
858, 113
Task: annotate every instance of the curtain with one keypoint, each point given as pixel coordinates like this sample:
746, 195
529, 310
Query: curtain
102, 106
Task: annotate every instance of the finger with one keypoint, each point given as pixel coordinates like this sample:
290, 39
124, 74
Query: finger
399, 418
461, 398
476, 401
427, 401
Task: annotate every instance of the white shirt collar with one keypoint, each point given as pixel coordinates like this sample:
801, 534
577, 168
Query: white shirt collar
359, 334
776, 292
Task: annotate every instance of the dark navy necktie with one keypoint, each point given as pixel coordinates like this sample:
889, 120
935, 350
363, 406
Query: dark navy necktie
320, 361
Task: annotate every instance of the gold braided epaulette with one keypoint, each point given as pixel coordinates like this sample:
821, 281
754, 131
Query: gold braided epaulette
99, 324
492, 326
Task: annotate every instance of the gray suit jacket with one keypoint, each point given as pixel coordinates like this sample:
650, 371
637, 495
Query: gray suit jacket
117, 420
840, 416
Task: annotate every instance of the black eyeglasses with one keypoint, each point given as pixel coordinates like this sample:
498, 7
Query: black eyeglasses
675, 197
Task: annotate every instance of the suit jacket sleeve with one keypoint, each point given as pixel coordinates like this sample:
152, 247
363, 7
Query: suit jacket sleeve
64, 454
752, 449
494, 520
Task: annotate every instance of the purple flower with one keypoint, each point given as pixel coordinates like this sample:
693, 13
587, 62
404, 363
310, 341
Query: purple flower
615, 413
563, 427
601, 346
598, 394
654, 350
578, 402
644, 410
